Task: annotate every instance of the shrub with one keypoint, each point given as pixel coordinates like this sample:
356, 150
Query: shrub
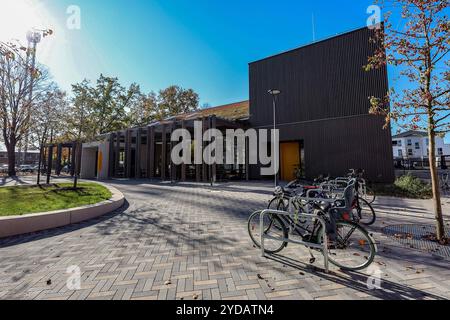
407, 186
413, 187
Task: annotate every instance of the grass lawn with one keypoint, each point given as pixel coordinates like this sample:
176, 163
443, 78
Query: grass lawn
32, 199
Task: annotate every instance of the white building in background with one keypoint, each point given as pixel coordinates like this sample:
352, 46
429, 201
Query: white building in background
414, 145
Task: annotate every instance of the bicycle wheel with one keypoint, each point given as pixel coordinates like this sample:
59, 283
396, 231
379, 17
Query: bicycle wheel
278, 204
353, 248
273, 226
445, 189
365, 212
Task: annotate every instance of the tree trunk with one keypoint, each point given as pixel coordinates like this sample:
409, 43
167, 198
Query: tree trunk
440, 232
41, 154
11, 149
77, 164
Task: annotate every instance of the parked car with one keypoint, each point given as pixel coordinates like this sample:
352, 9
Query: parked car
66, 169
27, 168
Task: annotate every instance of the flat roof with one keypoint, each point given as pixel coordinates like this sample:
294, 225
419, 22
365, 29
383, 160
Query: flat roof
310, 44
410, 133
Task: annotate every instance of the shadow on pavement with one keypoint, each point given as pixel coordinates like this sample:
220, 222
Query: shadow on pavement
39, 235
358, 281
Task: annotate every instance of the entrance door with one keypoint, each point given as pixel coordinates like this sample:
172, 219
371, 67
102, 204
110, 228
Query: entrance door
290, 159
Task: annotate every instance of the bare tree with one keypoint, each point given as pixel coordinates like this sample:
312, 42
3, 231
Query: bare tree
20, 86
420, 49
47, 115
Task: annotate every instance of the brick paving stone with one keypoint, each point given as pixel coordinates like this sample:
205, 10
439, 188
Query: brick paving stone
196, 238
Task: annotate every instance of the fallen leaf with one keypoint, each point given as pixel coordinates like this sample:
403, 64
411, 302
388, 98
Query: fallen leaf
49, 282
260, 276
195, 296
168, 282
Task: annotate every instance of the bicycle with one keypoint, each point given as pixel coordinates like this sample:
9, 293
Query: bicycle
363, 190
351, 248
363, 211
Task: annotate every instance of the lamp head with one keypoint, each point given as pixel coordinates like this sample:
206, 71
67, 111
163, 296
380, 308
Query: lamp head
34, 37
274, 92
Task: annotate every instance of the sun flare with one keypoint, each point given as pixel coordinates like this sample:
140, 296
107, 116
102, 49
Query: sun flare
19, 16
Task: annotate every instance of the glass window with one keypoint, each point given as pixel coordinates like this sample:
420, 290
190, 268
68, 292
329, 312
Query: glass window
410, 152
399, 143
400, 153
440, 152
409, 142
417, 145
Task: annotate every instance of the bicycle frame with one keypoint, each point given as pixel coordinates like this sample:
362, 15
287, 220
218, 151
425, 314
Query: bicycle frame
323, 247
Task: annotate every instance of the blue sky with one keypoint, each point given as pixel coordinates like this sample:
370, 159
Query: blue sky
200, 44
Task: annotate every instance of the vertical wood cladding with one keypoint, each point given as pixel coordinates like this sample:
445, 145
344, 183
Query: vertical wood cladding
325, 103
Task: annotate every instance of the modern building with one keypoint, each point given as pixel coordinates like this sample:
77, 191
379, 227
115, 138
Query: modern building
415, 145
323, 110
322, 114
145, 152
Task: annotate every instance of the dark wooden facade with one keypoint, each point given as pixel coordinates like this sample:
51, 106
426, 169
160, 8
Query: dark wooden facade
146, 152
324, 104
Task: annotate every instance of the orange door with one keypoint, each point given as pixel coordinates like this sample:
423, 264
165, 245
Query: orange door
290, 160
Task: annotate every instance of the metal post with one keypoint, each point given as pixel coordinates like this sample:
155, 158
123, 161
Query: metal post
205, 124
261, 232
213, 175
58, 159
247, 159
173, 167
163, 153
137, 160
183, 165
34, 38
150, 152
273, 141
127, 161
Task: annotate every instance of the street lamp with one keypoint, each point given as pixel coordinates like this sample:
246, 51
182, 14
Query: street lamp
33, 38
274, 93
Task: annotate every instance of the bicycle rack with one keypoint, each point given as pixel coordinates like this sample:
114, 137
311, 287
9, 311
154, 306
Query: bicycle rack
323, 247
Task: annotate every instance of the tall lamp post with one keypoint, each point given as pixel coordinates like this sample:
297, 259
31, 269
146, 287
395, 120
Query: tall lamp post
33, 38
274, 93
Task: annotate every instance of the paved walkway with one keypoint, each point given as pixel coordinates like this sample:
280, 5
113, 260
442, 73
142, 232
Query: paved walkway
190, 242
